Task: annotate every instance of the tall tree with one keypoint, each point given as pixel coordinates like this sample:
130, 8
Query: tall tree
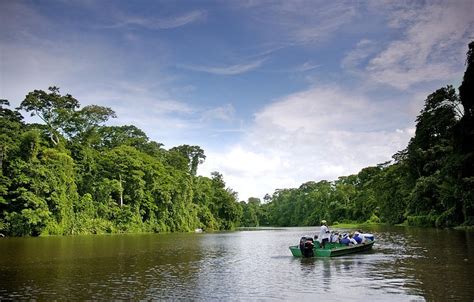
466, 90
465, 139
52, 108
194, 155
84, 123
433, 138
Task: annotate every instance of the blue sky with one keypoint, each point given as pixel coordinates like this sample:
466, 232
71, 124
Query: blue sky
276, 92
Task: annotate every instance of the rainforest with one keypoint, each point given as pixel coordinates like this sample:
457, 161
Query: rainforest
74, 174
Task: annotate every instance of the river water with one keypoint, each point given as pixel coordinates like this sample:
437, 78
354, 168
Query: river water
406, 264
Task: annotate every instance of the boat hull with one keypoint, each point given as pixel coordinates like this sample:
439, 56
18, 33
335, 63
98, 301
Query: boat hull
334, 249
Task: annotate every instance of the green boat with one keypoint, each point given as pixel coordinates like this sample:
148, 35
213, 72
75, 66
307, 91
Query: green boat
333, 249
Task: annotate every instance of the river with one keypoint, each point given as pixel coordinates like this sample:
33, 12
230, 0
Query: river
405, 264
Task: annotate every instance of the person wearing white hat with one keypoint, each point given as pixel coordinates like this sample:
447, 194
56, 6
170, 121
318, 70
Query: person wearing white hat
324, 234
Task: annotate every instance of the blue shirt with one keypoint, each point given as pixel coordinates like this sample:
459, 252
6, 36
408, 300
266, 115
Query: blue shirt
345, 240
357, 238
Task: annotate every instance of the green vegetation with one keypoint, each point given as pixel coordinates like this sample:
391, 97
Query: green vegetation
72, 175
430, 183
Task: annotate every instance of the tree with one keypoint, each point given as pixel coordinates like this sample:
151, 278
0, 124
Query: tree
465, 140
193, 154
83, 123
392, 192
466, 90
433, 139
250, 212
114, 136
11, 123
102, 179
52, 108
60, 116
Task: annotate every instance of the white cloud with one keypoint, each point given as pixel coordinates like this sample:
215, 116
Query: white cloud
159, 23
94, 72
320, 133
225, 112
321, 22
247, 171
432, 46
306, 66
226, 70
300, 22
363, 50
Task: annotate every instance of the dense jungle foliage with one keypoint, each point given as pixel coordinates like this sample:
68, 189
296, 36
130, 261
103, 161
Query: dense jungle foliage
430, 183
73, 175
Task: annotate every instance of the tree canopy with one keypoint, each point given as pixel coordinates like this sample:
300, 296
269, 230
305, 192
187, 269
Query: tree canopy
74, 175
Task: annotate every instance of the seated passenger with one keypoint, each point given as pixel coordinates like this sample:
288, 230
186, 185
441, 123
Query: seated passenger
345, 240
335, 237
351, 239
357, 237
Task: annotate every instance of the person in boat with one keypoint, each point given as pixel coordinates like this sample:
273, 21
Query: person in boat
306, 246
324, 234
345, 239
334, 237
352, 240
359, 237
348, 240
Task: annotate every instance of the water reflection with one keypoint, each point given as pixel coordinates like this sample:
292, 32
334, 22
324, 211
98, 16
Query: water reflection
405, 264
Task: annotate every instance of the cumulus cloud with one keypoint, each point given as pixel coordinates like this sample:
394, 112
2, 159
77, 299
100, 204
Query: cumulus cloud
432, 47
320, 133
247, 171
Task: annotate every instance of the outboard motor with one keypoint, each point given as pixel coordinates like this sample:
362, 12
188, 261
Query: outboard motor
306, 246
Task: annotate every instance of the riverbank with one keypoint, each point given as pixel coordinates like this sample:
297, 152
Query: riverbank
355, 225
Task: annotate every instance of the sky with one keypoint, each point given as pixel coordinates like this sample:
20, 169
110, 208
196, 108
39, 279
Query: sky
277, 93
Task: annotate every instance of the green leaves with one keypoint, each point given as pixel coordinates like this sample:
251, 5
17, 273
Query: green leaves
52, 108
193, 154
100, 178
60, 114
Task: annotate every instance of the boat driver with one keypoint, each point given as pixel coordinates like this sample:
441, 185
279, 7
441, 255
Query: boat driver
324, 234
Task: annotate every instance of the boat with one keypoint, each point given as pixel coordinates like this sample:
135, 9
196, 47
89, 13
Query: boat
332, 249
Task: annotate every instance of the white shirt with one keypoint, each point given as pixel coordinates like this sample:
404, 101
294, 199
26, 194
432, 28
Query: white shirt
353, 241
363, 238
323, 233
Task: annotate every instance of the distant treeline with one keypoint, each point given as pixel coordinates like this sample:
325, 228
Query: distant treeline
72, 175
430, 183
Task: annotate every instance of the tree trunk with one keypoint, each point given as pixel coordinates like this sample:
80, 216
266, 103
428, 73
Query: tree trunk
121, 191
